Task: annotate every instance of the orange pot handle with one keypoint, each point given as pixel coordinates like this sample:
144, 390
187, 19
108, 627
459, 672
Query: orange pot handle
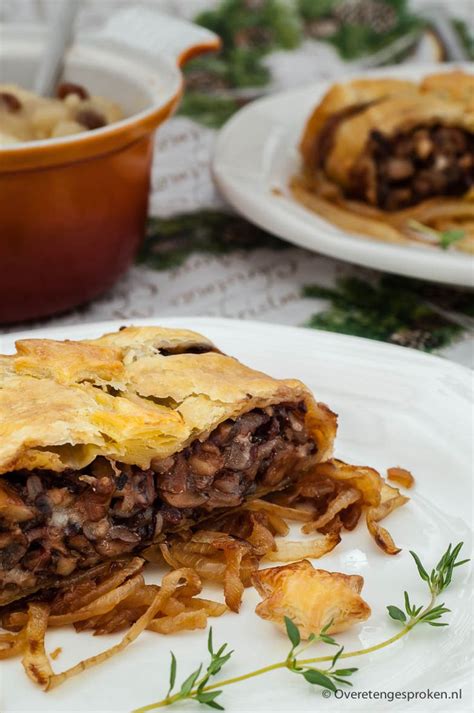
154, 32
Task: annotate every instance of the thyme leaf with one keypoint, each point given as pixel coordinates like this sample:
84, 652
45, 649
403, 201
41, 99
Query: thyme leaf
437, 581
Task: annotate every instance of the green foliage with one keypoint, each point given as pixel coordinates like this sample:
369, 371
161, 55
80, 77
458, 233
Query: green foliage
234, 18
285, 24
315, 9
357, 27
396, 309
214, 65
466, 36
354, 41
247, 34
245, 68
211, 110
249, 31
169, 241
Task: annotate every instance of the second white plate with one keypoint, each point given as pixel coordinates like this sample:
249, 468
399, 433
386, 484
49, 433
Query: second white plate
257, 153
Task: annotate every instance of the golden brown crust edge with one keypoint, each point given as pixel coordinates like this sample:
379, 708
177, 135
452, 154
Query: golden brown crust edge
64, 403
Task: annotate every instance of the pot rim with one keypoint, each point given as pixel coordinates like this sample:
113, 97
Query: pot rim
22, 39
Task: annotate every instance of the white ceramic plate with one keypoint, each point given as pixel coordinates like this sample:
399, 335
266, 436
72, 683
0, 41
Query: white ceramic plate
256, 154
396, 407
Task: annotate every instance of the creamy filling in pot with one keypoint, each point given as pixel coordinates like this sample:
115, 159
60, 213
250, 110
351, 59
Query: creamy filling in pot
25, 116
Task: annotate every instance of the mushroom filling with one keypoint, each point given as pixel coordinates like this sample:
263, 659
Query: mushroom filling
402, 170
58, 523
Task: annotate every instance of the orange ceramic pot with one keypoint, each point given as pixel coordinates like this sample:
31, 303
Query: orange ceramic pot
73, 209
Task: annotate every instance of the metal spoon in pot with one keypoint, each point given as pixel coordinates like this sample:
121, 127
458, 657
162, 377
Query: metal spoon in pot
59, 38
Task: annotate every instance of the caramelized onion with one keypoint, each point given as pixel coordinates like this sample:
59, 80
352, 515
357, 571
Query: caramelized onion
342, 500
11, 644
233, 585
390, 500
401, 476
287, 513
35, 660
292, 551
184, 621
364, 479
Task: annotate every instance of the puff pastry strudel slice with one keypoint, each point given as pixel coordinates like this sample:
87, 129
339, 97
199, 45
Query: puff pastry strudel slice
107, 445
382, 155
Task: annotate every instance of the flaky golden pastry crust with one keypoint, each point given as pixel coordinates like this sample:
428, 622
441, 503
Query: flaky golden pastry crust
455, 86
310, 597
131, 396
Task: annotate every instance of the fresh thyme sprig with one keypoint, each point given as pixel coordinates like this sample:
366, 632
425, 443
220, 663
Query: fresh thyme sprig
199, 689
318, 677
193, 687
439, 579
